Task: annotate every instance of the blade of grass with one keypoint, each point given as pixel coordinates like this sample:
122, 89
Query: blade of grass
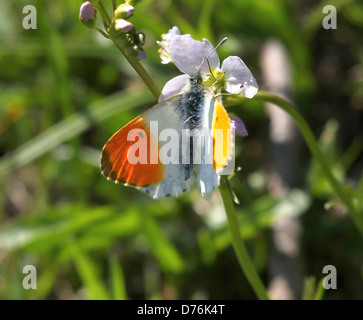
354, 150
58, 63
71, 127
309, 287
205, 20
313, 20
319, 293
88, 272
311, 142
33, 233
117, 279
163, 250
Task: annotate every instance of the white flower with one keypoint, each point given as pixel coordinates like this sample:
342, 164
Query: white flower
188, 53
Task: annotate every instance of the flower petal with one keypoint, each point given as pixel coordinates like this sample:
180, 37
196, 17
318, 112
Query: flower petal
188, 53
238, 77
171, 33
173, 87
239, 127
165, 58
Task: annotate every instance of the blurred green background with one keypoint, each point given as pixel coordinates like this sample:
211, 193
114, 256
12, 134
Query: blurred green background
64, 90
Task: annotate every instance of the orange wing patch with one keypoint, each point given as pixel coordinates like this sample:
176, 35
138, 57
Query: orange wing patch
222, 139
121, 162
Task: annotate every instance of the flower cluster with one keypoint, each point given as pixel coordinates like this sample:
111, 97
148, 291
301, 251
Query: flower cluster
120, 26
233, 75
125, 29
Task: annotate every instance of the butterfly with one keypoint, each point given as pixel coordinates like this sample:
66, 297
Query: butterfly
184, 140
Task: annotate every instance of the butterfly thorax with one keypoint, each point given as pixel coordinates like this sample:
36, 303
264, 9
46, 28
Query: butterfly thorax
193, 100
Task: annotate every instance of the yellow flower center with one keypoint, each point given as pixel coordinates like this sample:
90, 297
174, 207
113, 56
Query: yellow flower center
215, 80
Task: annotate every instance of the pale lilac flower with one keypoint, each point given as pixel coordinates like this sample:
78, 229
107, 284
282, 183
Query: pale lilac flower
188, 53
87, 11
165, 58
239, 127
173, 87
238, 77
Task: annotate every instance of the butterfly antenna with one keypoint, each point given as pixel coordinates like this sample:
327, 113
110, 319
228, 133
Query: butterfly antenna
210, 69
177, 63
209, 54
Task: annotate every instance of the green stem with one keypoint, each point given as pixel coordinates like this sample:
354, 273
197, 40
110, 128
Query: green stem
144, 75
104, 12
239, 247
99, 6
102, 32
314, 149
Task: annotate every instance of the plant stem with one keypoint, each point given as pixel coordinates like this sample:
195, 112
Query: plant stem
239, 247
98, 4
102, 32
104, 12
144, 75
315, 150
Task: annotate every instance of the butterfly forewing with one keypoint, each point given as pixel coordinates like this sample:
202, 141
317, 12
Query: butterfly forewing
124, 162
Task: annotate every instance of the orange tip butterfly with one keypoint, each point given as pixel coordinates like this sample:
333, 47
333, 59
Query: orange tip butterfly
184, 140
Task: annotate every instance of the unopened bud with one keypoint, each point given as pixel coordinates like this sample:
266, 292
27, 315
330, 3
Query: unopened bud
122, 25
124, 11
133, 2
141, 38
87, 14
136, 38
141, 54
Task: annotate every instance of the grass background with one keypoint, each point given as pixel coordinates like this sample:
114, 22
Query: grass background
64, 90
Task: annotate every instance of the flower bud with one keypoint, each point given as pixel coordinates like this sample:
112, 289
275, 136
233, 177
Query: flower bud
132, 2
87, 14
239, 127
141, 38
136, 38
141, 54
124, 11
122, 25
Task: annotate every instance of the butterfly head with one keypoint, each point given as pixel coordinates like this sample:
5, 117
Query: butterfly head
195, 75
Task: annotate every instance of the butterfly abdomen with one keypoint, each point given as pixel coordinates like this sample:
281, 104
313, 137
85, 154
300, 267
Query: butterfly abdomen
192, 114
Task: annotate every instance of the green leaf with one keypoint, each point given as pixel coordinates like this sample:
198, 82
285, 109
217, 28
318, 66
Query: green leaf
320, 185
313, 290
309, 288
71, 127
163, 250
117, 279
43, 234
88, 272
